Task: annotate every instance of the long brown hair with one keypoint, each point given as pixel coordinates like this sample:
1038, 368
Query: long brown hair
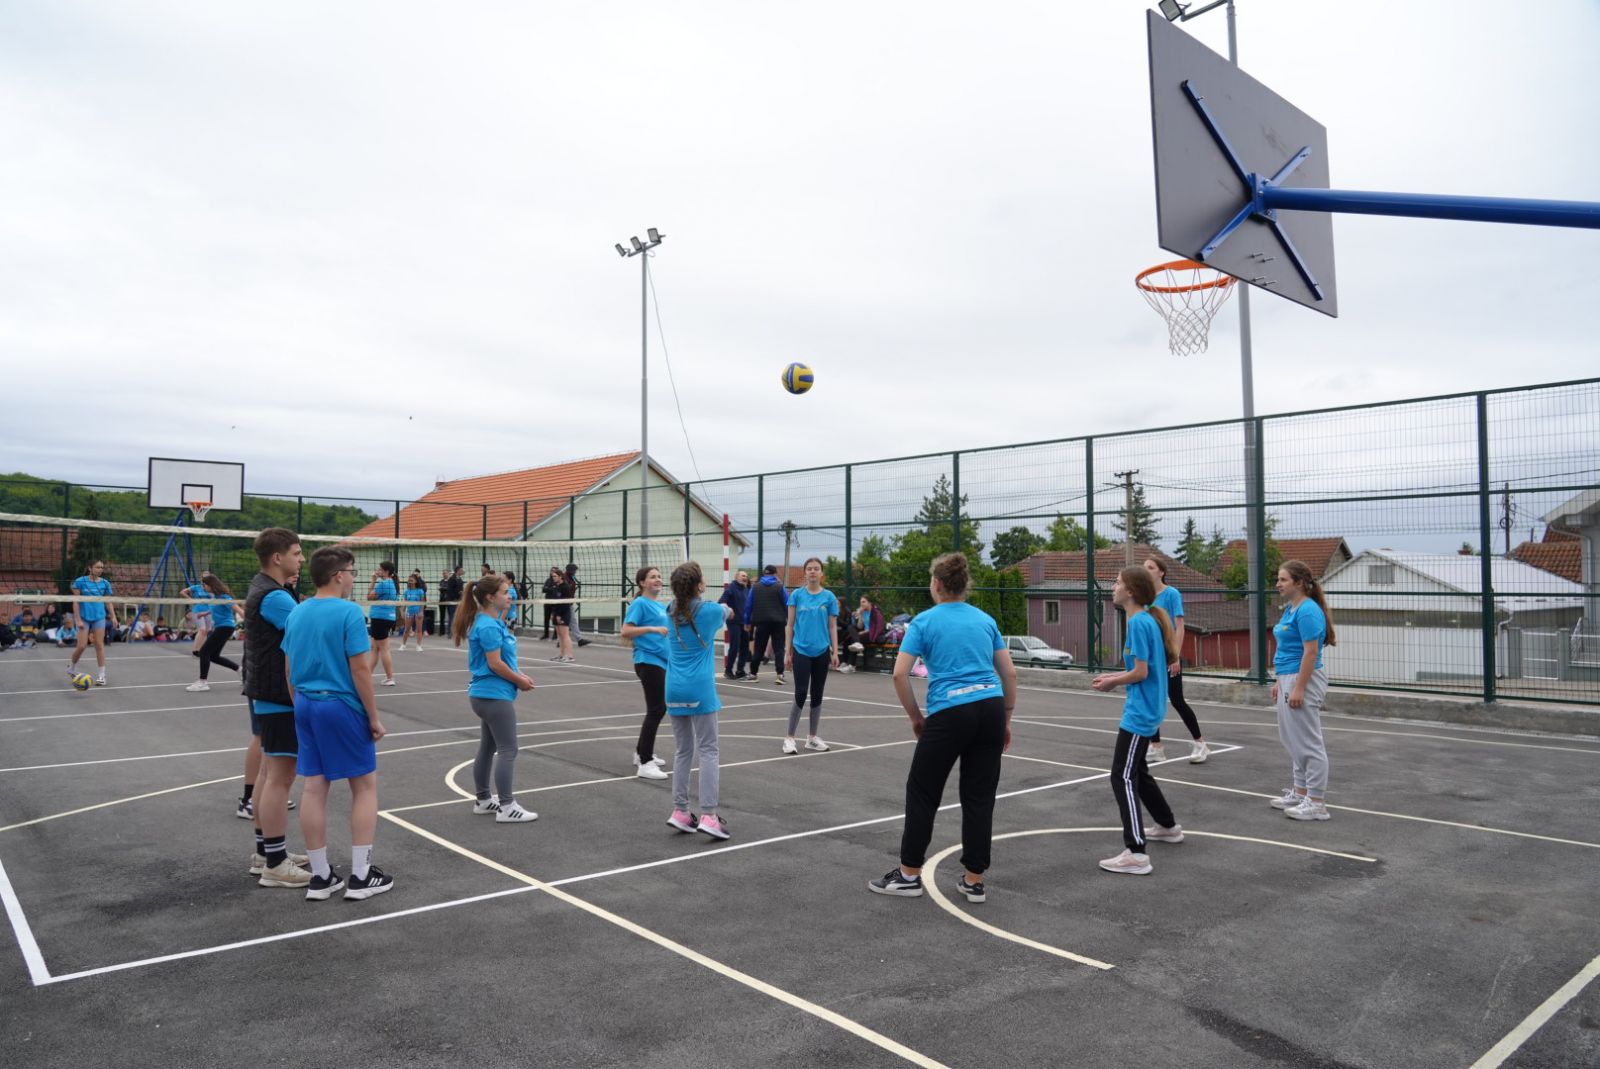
1142, 589
476, 599
686, 580
213, 584
1300, 573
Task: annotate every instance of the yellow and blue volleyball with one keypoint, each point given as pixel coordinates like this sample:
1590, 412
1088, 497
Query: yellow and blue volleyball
797, 378
81, 681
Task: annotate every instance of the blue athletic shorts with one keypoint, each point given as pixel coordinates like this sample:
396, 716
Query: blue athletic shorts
335, 741
95, 625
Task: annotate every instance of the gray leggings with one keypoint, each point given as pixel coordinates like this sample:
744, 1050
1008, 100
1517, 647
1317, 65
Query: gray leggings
498, 738
1301, 732
695, 735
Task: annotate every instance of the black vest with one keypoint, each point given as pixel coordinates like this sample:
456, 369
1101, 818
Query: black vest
264, 677
769, 605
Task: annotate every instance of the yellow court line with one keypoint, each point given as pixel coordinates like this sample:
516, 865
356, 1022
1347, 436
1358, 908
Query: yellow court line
119, 801
788, 998
1497, 1054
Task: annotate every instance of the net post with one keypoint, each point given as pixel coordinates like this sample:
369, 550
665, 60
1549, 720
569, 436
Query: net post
849, 569
687, 530
761, 521
1091, 601
66, 547
1256, 548
299, 514
955, 501
1486, 548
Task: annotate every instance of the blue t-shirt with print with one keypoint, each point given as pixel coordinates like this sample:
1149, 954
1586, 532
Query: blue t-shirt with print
418, 595
488, 634
221, 615
275, 609
651, 648
385, 590
691, 656
91, 611
319, 638
813, 621
957, 642
1145, 706
1300, 624
199, 591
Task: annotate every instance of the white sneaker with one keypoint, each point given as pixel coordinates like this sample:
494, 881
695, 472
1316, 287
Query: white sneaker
1287, 800
1157, 752
1199, 753
856, 646
197, 686
100, 680
1308, 810
389, 682
789, 746
514, 814
1128, 862
655, 759
814, 743
490, 804
846, 669
1158, 834
651, 770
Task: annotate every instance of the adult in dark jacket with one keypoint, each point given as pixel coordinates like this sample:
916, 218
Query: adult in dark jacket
451, 588
735, 595
551, 589
767, 611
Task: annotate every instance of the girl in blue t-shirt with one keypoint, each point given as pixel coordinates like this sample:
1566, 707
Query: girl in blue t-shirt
93, 617
645, 627
813, 645
416, 594
1302, 684
972, 689
692, 702
1145, 652
492, 693
222, 626
380, 620
1169, 600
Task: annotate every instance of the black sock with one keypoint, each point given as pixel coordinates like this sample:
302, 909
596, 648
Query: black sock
249, 789
261, 842
275, 849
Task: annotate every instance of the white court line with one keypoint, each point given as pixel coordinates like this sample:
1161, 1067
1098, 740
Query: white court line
37, 972
215, 683
838, 1020
119, 801
1497, 1054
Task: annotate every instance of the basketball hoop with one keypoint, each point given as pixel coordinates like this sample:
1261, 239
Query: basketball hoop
1186, 294
198, 509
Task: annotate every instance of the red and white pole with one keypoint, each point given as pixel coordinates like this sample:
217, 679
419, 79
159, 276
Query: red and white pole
727, 635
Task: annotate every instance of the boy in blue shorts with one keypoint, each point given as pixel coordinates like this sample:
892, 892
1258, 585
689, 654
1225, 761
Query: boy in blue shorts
326, 652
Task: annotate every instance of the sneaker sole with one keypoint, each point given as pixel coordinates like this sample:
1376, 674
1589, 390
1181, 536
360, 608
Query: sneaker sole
818, 749
324, 895
901, 892
680, 827
529, 819
1143, 870
970, 897
718, 835
1200, 760
265, 882
646, 775
1172, 842
363, 893
1279, 803
1324, 815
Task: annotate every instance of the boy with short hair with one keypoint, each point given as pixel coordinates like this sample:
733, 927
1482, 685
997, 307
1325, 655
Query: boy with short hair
336, 717
26, 627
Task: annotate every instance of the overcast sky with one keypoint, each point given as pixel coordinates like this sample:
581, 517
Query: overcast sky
359, 246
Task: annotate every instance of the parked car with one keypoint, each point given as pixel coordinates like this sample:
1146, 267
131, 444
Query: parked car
1030, 652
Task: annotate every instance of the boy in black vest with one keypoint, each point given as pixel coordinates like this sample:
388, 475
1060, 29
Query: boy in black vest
768, 612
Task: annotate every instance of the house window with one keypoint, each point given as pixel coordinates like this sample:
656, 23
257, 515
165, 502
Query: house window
1380, 574
1052, 612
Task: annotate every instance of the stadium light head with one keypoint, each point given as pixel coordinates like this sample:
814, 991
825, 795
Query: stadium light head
655, 236
1172, 10
620, 250
638, 246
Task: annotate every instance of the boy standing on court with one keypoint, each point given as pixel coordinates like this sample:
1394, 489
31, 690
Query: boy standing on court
266, 683
336, 715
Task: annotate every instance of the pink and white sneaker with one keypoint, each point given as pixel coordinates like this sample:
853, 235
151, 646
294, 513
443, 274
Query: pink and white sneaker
714, 826
1128, 862
683, 820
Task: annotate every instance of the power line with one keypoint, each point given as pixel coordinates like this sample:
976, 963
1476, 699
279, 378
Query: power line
655, 300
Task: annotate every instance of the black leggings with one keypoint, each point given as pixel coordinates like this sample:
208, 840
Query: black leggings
1132, 783
654, 679
810, 674
1175, 693
974, 734
766, 633
211, 652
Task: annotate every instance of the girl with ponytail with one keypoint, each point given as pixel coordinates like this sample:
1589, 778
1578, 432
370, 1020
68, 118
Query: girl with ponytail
1149, 644
492, 693
692, 701
1302, 684
1170, 600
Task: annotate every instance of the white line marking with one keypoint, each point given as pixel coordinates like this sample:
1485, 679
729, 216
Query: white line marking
838, 1020
124, 712
37, 972
1497, 1054
119, 801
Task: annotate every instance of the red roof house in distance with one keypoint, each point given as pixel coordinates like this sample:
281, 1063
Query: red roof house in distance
1560, 552
1321, 555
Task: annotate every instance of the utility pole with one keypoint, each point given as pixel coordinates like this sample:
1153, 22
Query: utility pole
788, 527
1127, 515
1506, 515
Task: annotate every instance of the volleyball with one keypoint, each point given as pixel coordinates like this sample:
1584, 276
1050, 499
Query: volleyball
797, 378
81, 681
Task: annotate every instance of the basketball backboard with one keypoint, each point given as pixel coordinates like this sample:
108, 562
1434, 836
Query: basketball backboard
1202, 107
174, 484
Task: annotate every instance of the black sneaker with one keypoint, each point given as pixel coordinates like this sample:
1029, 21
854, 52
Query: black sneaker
376, 883
972, 891
741, 675
322, 888
245, 810
582, 642
727, 675
895, 882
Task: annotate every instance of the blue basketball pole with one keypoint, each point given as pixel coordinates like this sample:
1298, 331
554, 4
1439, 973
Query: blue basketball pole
1570, 213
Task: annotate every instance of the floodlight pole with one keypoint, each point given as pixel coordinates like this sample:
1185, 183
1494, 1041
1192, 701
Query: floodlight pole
642, 249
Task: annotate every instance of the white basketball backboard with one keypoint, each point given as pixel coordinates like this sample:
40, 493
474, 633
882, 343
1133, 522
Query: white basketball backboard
174, 484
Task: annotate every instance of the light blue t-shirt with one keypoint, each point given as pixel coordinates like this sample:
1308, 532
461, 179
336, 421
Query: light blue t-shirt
648, 649
490, 634
1146, 704
199, 591
1307, 623
1171, 601
91, 611
511, 610
418, 595
813, 621
66, 634
319, 638
221, 615
276, 608
691, 656
957, 642
386, 590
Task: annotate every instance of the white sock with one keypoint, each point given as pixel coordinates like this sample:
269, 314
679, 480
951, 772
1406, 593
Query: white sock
360, 860
319, 862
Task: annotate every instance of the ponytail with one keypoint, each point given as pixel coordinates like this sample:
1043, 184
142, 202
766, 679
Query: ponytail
473, 601
1137, 582
1300, 573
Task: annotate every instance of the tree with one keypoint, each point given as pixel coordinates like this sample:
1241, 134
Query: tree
938, 511
1069, 536
1206, 559
1143, 519
1014, 545
1191, 545
870, 564
1237, 574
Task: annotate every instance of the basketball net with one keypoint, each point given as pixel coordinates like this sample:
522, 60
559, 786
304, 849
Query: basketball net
198, 510
1186, 294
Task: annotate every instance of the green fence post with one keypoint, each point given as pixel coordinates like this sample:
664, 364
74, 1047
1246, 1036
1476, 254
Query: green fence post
955, 499
688, 543
849, 571
299, 515
1258, 597
627, 587
66, 551
397, 540
524, 571
485, 536
761, 521
1486, 550
572, 525
1091, 600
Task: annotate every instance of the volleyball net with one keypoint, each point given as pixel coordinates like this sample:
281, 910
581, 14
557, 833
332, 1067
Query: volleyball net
155, 568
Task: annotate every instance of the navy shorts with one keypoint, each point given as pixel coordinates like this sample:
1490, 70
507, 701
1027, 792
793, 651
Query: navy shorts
278, 736
380, 629
335, 740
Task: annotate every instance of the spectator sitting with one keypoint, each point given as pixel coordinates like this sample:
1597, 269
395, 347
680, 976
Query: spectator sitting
163, 632
186, 632
67, 633
849, 643
26, 628
142, 630
50, 618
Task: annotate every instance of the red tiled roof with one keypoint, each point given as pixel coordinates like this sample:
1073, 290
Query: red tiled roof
1319, 554
1056, 566
452, 510
1563, 558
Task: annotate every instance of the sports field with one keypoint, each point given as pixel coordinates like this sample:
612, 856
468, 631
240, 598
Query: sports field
1446, 914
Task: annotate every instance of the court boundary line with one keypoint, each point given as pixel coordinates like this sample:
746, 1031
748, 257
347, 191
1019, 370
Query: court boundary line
1513, 1040
38, 972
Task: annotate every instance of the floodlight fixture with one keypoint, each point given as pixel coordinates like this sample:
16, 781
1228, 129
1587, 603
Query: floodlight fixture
620, 250
655, 235
638, 246
1176, 12
1172, 10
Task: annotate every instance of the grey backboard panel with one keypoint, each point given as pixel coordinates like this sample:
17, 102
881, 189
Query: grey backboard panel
1197, 191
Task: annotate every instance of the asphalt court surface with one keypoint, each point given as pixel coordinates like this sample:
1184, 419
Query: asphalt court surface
1445, 916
